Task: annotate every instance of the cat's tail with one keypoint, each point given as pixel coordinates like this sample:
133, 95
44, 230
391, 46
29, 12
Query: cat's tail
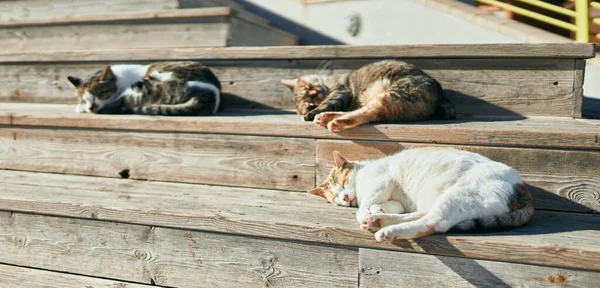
521, 212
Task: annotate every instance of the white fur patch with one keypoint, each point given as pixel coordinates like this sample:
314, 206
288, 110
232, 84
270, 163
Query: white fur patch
80, 108
128, 74
208, 86
164, 76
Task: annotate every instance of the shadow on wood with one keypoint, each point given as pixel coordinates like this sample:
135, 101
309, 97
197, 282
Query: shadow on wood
591, 108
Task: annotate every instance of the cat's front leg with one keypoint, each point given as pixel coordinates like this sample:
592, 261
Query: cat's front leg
375, 223
336, 101
81, 108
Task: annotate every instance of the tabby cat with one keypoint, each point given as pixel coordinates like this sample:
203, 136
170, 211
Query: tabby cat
164, 88
382, 91
419, 192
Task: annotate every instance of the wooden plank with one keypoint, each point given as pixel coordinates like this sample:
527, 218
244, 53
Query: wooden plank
484, 87
560, 179
12, 276
569, 51
122, 17
578, 87
32, 9
163, 256
245, 33
148, 34
543, 132
279, 163
512, 87
393, 269
569, 240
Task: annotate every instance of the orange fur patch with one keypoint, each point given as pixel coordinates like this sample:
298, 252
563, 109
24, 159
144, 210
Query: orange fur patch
430, 230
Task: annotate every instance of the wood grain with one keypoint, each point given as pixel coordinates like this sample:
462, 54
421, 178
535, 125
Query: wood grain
150, 33
509, 87
248, 33
578, 86
539, 132
33, 9
393, 269
572, 175
123, 17
13, 276
170, 257
569, 240
569, 51
279, 163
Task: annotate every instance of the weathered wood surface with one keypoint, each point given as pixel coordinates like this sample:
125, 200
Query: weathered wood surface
393, 269
245, 33
560, 179
170, 257
446, 51
203, 27
578, 88
509, 87
552, 238
32, 9
120, 17
543, 132
13, 276
278, 163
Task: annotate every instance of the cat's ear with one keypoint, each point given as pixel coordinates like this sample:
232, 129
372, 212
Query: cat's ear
290, 83
76, 82
106, 73
316, 191
339, 160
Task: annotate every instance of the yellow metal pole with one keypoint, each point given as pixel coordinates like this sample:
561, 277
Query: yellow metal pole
530, 14
582, 20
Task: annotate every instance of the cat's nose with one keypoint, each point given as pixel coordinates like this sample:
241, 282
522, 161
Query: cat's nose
346, 198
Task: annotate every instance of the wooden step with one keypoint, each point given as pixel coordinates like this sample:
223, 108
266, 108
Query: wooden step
201, 27
507, 80
164, 232
387, 269
16, 10
35, 278
556, 156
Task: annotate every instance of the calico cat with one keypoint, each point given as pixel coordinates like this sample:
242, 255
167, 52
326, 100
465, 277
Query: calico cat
419, 192
382, 91
164, 88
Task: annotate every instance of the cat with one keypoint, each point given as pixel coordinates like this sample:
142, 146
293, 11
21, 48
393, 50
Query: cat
422, 191
163, 88
387, 91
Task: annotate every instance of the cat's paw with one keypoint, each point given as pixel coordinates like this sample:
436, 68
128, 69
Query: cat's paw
324, 118
376, 208
81, 108
383, 236
336, 125
370, 224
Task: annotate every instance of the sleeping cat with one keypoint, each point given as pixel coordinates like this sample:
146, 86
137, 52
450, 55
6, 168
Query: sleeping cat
164, 88
419, 192
381, 91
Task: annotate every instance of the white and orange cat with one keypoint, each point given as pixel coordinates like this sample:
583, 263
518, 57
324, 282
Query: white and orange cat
419, 192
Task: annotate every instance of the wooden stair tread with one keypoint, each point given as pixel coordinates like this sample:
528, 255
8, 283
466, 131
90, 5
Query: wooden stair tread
34, 278
538, 51
552, 238
124, 16
547, 132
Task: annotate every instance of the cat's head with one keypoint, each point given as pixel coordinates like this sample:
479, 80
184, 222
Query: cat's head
97, 90
339, 187
308, 91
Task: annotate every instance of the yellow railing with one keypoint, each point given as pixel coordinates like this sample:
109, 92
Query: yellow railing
581, 15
